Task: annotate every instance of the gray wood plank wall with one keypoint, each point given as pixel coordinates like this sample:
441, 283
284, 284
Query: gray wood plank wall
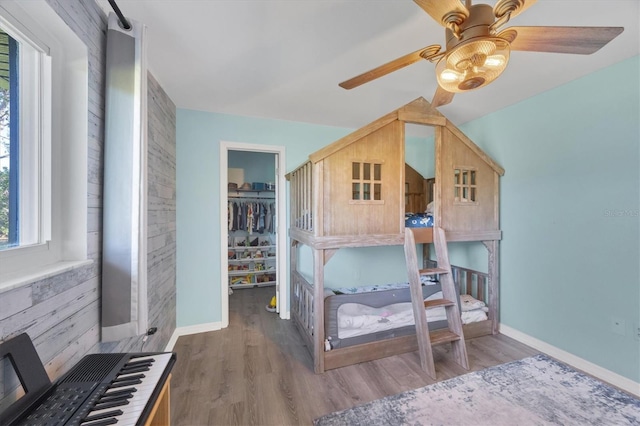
62, 313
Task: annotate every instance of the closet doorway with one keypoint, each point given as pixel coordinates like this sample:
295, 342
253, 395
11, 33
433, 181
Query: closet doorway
253, 246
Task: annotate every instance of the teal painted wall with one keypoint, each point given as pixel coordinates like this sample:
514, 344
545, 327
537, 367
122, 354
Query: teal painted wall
257, 166
570, 254
198, 136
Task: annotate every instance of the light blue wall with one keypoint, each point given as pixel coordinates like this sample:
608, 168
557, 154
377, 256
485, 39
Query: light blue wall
198, 196
198, 253
257, 166
569, 213
419, 154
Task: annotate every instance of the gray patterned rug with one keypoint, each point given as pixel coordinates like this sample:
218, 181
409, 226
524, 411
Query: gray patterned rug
533, 391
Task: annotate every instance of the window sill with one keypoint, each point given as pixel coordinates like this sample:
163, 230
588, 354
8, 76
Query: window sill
21, 278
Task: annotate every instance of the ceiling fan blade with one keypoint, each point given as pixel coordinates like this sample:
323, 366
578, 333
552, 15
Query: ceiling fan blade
503, 6
390, 67
441, 97
438, 9
578, 40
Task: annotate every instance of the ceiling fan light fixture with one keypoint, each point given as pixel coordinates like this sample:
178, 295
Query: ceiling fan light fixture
451, 76
495, 61
472, 64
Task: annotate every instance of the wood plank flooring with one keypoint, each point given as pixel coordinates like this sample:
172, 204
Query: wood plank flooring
259, 372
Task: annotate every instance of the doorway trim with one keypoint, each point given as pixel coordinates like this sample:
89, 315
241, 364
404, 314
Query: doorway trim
282, 285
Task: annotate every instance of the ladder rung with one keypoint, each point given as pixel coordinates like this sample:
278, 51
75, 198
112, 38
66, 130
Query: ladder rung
444, 335
433, 271
438, 302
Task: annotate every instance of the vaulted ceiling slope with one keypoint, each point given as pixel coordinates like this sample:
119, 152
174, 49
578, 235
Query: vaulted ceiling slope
283, 59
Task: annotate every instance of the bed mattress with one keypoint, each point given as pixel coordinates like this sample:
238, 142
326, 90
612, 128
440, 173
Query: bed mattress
356, 316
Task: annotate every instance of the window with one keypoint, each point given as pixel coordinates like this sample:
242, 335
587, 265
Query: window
43, 144
366, 182
24, 141
464, 185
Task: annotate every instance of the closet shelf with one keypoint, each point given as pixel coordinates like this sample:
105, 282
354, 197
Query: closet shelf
249, 272
252, 259
251, 248
267, 195
263, 284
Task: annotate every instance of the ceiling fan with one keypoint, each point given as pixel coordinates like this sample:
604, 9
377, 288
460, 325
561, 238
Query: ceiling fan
477, 48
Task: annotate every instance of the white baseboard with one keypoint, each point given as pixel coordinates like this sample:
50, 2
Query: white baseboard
191, 329
573, 360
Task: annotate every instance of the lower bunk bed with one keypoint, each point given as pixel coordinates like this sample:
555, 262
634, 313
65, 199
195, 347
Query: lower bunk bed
366, 323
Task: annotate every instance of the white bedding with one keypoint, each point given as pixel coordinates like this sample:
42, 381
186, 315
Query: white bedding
355, 319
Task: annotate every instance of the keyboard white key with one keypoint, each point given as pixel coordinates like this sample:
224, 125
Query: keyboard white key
131, 412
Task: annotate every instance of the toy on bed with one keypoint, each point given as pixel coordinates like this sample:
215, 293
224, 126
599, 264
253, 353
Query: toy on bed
418, 220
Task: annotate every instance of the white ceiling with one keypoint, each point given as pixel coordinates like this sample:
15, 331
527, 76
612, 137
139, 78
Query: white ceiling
283, 59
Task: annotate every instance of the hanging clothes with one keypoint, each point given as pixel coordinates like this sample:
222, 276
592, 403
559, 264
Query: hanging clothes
250, 218
267, 219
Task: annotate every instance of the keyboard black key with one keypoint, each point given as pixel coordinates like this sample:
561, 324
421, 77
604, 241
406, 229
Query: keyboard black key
112, 413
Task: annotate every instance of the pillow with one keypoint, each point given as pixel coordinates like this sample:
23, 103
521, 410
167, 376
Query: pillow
429, 209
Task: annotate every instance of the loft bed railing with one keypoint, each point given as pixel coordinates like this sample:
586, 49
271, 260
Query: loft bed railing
301, 185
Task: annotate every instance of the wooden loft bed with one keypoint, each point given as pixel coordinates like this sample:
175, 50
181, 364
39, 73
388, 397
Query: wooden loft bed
351, 193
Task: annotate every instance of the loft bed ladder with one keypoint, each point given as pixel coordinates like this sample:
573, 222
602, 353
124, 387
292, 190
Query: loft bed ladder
453, 332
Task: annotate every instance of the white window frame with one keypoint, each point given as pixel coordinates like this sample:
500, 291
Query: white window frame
62, 195
34, 67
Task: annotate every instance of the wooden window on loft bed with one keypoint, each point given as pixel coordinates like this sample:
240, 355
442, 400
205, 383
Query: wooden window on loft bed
366, 183
465, 185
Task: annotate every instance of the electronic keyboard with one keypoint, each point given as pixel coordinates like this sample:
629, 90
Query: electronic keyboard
101, 389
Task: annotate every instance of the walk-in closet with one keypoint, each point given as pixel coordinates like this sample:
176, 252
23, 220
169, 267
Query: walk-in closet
251, 217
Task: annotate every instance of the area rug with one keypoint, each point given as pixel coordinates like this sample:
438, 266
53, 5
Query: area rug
533, 391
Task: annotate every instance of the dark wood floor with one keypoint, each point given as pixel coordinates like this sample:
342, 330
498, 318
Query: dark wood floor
258, 371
